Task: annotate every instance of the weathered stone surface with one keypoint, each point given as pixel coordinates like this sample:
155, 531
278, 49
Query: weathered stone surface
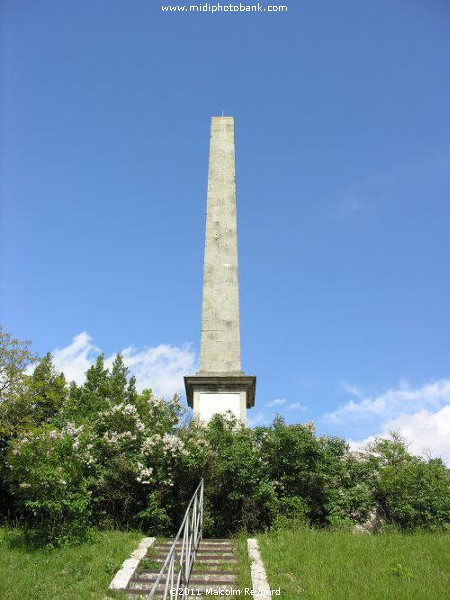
220, 343
260, 584
220, 385
123, 576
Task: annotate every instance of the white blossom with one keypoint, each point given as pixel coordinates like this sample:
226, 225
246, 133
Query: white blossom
113, 438
145, 474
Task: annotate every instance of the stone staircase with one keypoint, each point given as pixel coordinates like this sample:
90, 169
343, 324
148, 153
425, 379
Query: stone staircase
214, 569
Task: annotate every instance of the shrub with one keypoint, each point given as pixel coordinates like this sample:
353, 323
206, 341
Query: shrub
415, 493
102, 454
237, 483
48, 478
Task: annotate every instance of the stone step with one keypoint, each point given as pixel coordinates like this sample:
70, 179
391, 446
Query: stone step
209, 547
217, 547
205, 560
199, 553
202, 560
212, 572
199, 589
199, 578
134, 593
194, 571
206, 576
202, 541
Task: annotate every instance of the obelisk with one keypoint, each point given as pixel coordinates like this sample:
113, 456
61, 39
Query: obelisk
220, 385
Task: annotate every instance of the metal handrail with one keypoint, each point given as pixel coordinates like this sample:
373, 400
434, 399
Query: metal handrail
179, 565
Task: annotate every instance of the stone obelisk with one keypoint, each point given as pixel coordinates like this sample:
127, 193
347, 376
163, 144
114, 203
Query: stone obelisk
220, 385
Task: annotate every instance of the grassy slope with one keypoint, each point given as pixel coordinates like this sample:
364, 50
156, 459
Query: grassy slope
78, 573
243, 577
318, 564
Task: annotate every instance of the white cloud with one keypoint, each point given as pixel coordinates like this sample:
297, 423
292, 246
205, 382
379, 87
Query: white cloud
277, 402
421, 415
160, 367
353, 390
76, 358
390, 404
424, 430
258, 418
296, 406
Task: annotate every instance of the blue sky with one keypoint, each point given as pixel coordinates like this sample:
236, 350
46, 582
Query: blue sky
343, 191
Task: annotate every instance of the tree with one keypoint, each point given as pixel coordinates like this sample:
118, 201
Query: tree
46, 391
15, 357
412, 492
118, 380
86, 401
238, 490
293, 456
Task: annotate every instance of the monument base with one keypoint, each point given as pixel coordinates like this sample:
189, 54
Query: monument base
212, 394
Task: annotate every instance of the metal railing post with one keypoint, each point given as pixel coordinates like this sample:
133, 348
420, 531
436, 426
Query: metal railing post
190, 533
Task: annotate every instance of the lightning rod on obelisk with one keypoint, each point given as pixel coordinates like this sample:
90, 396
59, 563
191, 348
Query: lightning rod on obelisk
220, 385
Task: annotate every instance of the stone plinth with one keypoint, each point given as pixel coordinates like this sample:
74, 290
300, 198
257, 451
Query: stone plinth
212, 394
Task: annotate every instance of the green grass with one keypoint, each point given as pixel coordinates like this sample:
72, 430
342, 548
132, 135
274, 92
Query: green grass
243, 578
334, 565
148, 563
73, 573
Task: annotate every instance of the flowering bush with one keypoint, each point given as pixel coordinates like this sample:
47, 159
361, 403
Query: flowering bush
107, 458
101, 454
47, 470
